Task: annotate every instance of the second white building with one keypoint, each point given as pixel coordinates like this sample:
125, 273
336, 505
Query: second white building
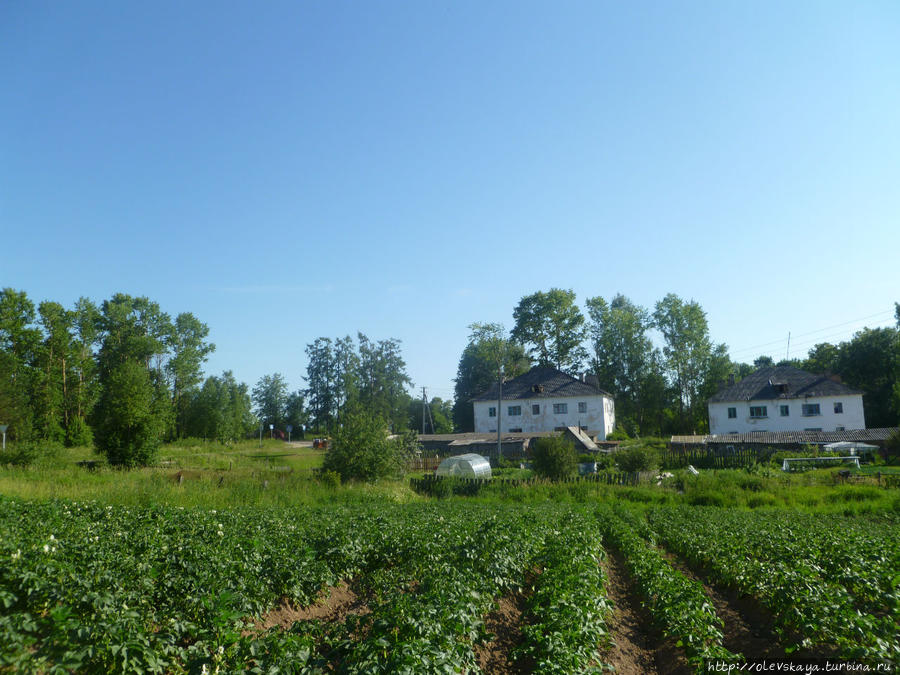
783, 398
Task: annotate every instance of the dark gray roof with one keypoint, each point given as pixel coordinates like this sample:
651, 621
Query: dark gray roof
777, 437
781, 382
541, 382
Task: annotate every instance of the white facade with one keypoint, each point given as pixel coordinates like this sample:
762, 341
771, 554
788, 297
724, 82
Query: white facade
593, 412
727, 417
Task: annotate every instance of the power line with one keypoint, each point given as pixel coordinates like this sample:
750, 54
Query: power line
812, 332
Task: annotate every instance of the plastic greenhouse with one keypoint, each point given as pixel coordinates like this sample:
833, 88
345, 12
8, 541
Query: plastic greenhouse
469, 465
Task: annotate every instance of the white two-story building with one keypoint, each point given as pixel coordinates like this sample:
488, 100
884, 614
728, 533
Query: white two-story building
545, 399
784, 398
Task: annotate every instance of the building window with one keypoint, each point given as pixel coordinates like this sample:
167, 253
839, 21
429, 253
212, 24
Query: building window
535, 409
732, 413
515, 430
758, 411
811, 409
492, 412
813, 429
582, 406
785, 410
560, 408
514, 410
838, 407
839, 428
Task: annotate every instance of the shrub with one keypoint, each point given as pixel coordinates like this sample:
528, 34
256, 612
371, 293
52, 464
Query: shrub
636, 458
79, 433
553, 457
618, 435
129, 425
25, 453
361, 449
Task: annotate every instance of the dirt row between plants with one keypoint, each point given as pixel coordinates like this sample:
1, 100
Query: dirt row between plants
748, 628
334, 603
505, 622
639, 648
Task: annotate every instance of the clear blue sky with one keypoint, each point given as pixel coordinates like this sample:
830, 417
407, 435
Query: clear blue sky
288, 170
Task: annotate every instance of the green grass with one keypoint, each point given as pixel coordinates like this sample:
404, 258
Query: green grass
279, 474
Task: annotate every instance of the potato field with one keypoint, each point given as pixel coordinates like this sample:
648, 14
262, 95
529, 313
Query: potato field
438, 587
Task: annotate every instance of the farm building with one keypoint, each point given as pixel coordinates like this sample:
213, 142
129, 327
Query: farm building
544, 400
785, 399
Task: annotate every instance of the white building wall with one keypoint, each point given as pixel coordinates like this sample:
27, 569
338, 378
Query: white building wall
852, 416
599, 415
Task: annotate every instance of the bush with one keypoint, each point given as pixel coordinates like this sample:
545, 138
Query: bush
361, 449
636, 458
129, 424
618, 435
554, 458
79, 434
25, 453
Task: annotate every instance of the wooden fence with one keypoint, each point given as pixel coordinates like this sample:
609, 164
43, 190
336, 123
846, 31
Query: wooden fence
424, 463
715, 457
431, 484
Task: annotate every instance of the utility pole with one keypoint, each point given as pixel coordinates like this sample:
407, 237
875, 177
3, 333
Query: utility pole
424, 407
787, 354
499, 408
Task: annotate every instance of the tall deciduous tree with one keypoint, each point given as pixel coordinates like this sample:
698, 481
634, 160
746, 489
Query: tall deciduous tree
551, 326
382, 380
322, 383
621, 352
19, 341
270, 396
479, 367
692, 362
189, 351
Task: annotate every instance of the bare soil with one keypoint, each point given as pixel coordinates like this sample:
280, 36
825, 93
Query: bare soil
638, 649
505, 622
334, 603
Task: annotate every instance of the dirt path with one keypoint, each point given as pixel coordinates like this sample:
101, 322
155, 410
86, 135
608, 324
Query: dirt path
749, 630
505, 622
332, 604
639, 649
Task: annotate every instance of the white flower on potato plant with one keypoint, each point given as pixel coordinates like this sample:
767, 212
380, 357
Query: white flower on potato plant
17, 554
221, 650
52, 538
46, 548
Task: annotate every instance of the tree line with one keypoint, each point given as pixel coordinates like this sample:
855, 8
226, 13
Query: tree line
123, 375
657, 390
369, 374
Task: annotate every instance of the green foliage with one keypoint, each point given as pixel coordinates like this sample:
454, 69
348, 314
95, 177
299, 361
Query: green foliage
25, 453
553, 457
79, 433
618, 435
636, 458
694, 365
129, 425
270, 395
479, 369
361, 450
679, 605
832, 580
552, 327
